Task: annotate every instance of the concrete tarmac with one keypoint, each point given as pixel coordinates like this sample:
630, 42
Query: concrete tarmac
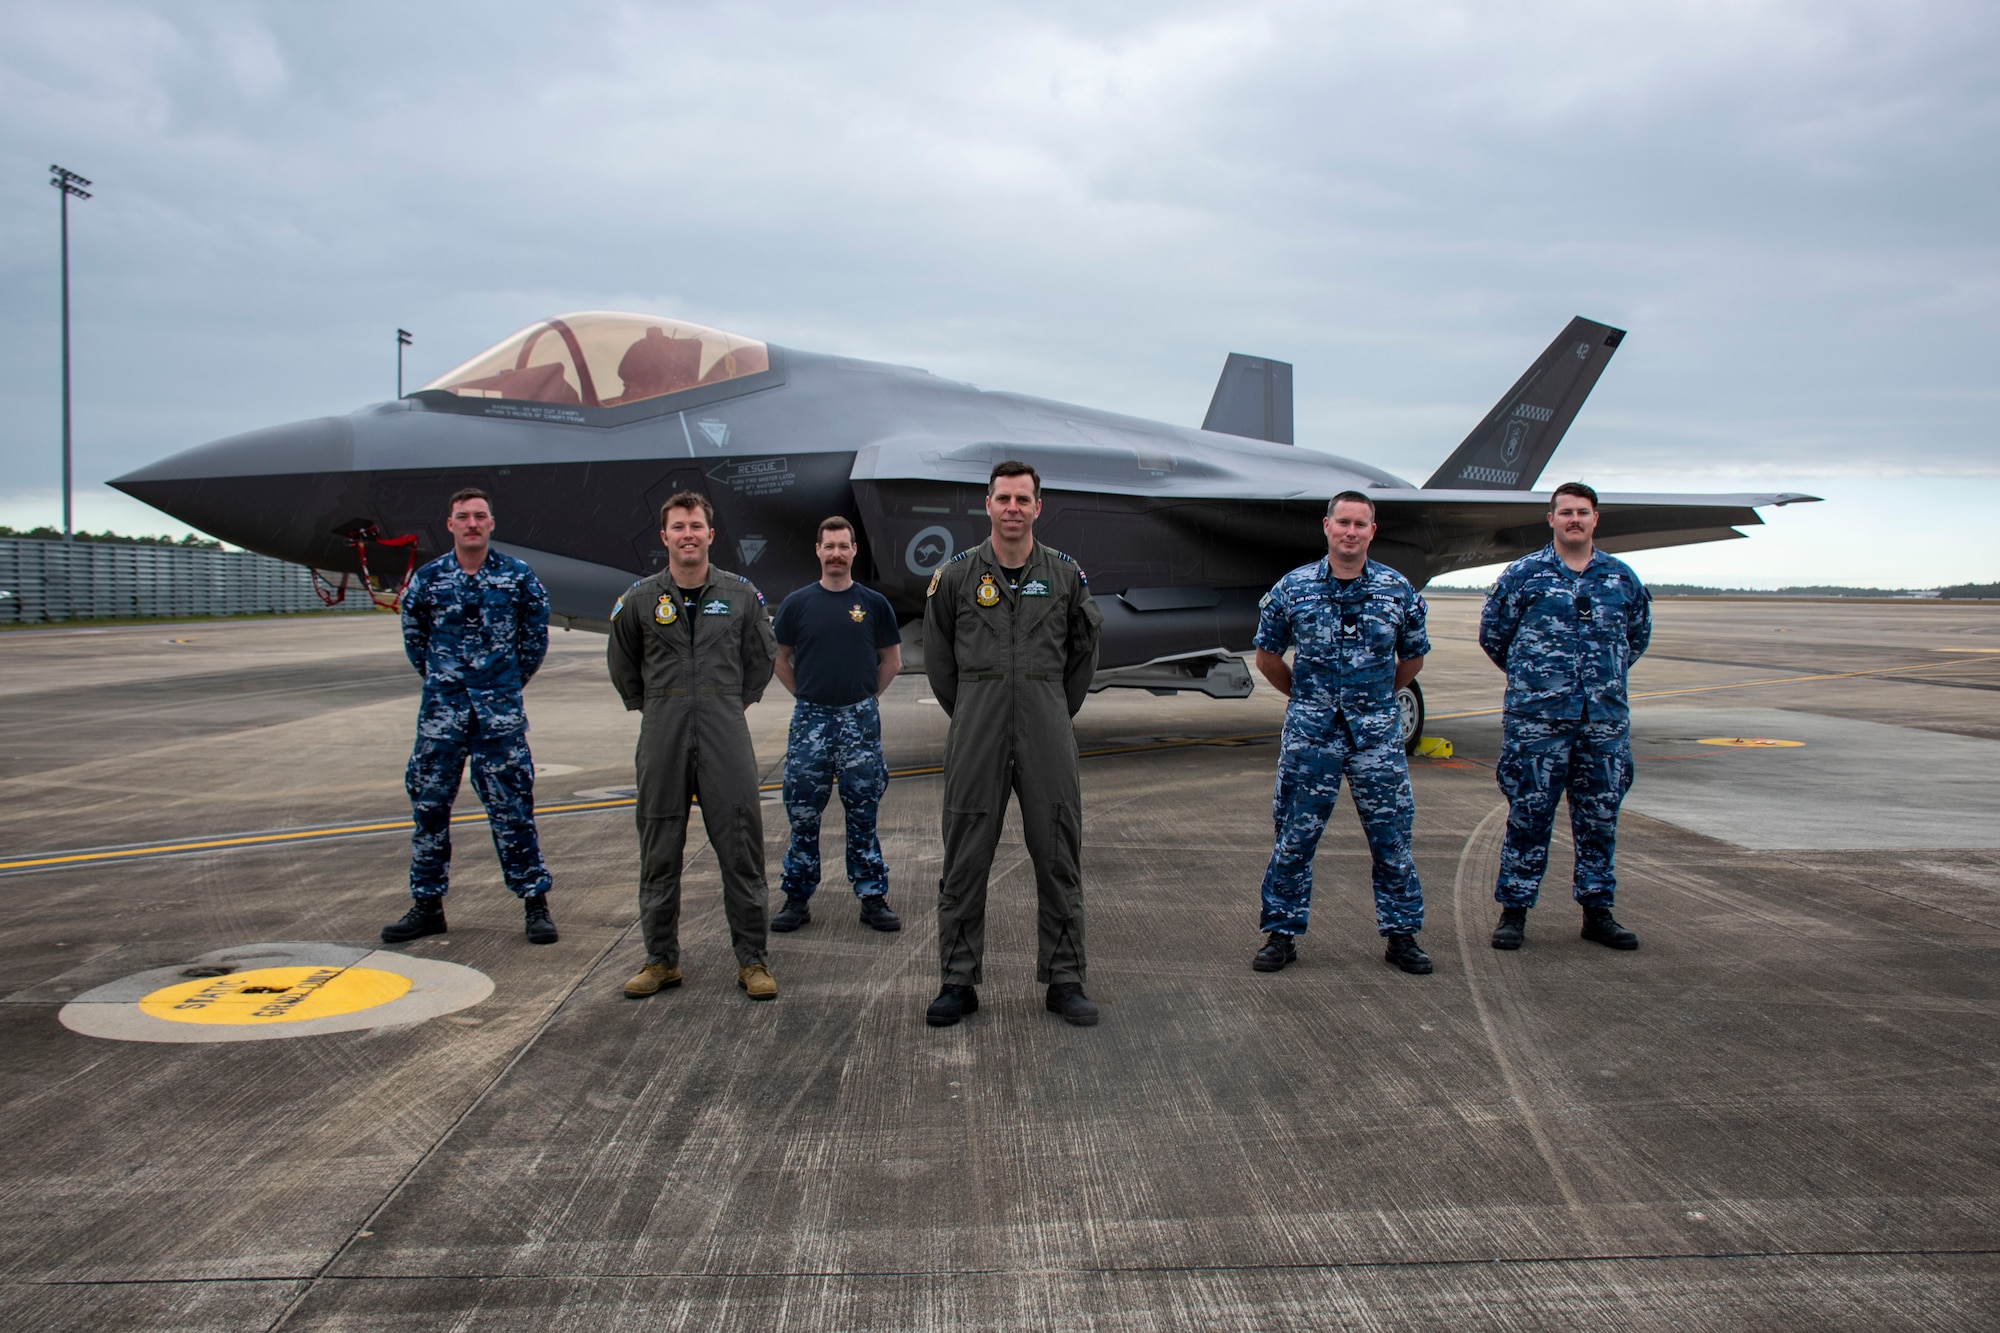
1777, 1114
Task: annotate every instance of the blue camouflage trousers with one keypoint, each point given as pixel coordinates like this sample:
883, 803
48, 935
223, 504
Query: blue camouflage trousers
835, 745
1540, 759
1309, 773
503, 773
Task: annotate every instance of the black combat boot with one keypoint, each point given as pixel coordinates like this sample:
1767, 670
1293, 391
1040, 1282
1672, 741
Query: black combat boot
1600, 927
1404, 953
952, 1003
1513, 928
425, 917
1066, 999
541, 926
1278, 950
876, 915
795, 913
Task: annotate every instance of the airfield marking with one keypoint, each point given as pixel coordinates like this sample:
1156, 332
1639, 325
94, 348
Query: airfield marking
278, 836
275, 995
1747, 742
320, 833
1734, 685
262, 992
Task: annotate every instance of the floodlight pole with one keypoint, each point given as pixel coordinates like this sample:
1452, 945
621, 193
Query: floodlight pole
403, 339
67, 183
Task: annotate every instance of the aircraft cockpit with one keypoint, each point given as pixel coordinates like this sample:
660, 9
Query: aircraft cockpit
604, 358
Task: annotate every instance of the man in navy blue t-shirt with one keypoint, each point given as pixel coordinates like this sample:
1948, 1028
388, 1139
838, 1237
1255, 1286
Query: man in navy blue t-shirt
838, 647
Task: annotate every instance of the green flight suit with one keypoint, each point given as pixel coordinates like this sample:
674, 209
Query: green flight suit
1011, 669
694, 742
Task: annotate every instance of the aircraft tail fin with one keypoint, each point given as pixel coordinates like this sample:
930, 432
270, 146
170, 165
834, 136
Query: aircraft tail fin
1508, 450
1253, 399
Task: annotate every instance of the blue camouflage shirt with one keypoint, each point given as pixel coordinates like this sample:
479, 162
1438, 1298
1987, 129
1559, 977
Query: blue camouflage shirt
1349, 640
1566, 639
476, 638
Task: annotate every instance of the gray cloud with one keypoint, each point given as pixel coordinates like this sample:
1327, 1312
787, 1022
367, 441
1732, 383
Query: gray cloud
1789, 204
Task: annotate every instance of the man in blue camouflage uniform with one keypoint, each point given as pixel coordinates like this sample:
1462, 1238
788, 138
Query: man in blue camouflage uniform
476, 628
838, 650
1565, 624
1357, 630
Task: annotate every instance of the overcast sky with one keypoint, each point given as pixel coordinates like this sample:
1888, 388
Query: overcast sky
1791, 206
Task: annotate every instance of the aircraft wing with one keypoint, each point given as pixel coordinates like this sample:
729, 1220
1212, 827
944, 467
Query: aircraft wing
1459, 529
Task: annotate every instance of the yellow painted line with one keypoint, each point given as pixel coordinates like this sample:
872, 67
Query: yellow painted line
1750, 742
278, 837
625, 803
1749, 684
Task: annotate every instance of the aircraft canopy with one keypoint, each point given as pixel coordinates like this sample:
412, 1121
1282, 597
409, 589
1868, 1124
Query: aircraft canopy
604, 358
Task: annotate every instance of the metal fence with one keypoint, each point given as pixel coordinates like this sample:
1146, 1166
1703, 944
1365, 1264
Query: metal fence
43, 581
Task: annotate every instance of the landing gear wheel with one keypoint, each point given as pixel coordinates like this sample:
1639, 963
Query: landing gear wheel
1410, 716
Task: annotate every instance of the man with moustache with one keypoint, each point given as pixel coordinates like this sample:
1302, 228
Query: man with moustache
838, 649
476, 628
1565, 624
691, 647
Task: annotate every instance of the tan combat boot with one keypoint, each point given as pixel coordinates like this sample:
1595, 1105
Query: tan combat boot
757, 982
653, 977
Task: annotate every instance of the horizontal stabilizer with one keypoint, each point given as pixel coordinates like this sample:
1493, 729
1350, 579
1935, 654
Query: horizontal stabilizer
1252, 399
1508, 450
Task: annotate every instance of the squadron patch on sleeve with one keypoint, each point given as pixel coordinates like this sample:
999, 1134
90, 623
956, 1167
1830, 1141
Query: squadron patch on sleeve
937, 577
618, 606
1263, 601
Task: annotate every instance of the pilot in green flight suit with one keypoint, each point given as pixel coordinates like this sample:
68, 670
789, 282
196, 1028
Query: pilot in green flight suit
1010, 646
692, 647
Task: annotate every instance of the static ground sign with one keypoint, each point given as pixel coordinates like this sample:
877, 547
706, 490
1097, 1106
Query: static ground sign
258, 992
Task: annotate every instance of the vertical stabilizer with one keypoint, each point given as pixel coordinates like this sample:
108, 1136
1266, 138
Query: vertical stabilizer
1253, 399
1508, 450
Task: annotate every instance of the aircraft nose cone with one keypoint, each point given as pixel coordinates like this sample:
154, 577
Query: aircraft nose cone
275, 491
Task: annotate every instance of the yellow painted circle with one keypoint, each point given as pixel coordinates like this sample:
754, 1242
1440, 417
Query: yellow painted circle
275, 995
1751, 742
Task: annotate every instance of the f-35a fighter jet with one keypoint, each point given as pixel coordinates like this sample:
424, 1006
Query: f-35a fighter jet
581, 425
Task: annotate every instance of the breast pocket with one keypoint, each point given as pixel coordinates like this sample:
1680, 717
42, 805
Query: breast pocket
1379, 621
1316, 628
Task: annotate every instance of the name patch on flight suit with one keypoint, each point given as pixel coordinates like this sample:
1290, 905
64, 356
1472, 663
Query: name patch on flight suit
718, 607
988, 595
665, 613
1034, 588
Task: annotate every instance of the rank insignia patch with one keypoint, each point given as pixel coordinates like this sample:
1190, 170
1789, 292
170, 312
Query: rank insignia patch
665, 613
988, 595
